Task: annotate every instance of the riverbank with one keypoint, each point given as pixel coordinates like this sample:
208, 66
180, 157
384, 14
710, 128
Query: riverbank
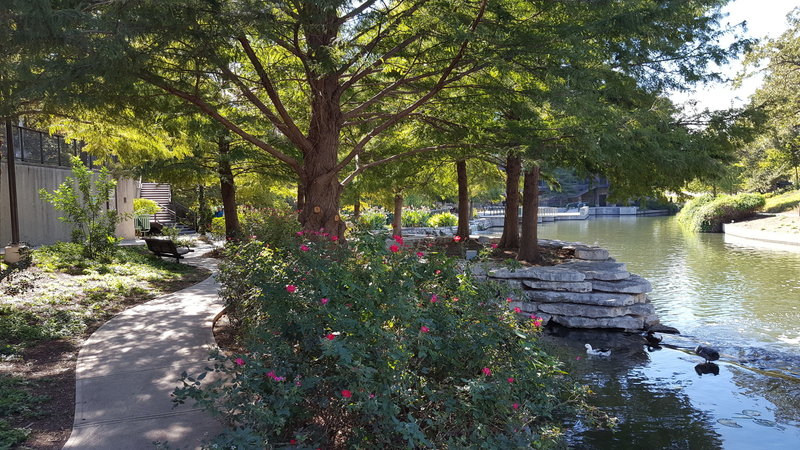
781, 228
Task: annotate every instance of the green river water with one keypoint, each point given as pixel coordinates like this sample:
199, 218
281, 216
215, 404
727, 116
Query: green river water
742, 298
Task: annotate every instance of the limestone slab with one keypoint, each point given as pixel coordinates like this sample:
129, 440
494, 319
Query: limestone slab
574, 286
550, 273
624, 322
594, 311
599, 270
631, 285
591, 253
527, 307
586, 298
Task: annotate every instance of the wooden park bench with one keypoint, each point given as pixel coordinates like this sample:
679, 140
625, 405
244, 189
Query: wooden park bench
165, 247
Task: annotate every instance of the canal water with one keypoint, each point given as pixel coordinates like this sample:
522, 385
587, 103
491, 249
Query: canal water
740, 297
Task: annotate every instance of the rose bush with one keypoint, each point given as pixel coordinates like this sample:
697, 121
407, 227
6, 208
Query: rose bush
354, 345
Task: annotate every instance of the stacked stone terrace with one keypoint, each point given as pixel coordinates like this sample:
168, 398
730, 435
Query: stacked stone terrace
590, 291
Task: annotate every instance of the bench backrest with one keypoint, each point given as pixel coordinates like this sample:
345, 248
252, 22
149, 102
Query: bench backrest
161, 246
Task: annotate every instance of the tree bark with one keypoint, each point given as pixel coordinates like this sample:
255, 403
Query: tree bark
463, 200
510, 237
357, 206
228, 188
397, 222
322, 186
301, 196
202, 214
529, 243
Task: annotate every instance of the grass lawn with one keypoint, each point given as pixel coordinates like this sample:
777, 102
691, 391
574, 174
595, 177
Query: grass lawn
46, 311
783, 202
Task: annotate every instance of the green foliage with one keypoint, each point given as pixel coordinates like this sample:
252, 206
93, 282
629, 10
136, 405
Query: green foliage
360, 346
444, 219
145, 206
783, 202
707, 213
274, 225
93, 225
372, 220
10, 436
68, 310
16, 403
21, 328
416, 217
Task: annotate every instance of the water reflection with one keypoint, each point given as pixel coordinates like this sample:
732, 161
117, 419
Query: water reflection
704, 286
653, 407
742, 299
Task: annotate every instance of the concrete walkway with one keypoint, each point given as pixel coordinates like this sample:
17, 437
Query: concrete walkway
128, 368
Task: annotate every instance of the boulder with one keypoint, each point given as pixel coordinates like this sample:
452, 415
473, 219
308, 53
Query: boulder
631, 285
549, 273
623, 322
598, 270
574, 286
585, 298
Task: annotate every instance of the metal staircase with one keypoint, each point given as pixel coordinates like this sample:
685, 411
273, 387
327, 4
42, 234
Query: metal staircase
162, 194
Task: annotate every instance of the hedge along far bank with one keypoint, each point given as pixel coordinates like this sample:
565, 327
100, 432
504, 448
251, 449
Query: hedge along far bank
707, 213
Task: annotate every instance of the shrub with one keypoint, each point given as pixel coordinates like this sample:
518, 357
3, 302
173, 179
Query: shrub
416, 217
372, 220
274, 226
145, 206
360, 346
783, 202
444, 219
92, 225
707, 214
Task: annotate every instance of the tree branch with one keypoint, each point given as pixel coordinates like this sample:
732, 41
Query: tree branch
292, 132
212, 112
360, 169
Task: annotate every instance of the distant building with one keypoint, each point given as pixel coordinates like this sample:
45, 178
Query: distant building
573, 189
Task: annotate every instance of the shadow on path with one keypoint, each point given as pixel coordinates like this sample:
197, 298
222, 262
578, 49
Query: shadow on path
128, 368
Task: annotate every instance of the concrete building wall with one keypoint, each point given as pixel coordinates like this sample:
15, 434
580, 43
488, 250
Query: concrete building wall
126, 192
38, 220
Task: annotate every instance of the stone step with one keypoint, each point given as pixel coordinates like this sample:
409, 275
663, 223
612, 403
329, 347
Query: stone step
549, 273
598, 270
587, 298
632, 285
574, 286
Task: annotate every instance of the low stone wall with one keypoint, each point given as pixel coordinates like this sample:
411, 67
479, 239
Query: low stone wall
590, 291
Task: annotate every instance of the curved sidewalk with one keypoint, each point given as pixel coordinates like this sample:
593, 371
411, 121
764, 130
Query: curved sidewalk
128, 368
769, 236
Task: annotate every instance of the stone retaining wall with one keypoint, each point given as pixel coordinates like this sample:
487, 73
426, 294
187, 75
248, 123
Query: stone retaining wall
590, 291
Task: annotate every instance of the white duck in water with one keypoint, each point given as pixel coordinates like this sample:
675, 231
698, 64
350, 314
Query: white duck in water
597, 351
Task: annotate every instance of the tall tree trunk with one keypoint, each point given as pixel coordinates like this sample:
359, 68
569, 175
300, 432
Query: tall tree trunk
529, 244
463, 200
228, 187
510, 237
397, 222
357, 206
322, 187
301, 196
202, 210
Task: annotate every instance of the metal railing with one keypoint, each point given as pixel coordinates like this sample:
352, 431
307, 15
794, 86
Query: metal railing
40, 147
500, 210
